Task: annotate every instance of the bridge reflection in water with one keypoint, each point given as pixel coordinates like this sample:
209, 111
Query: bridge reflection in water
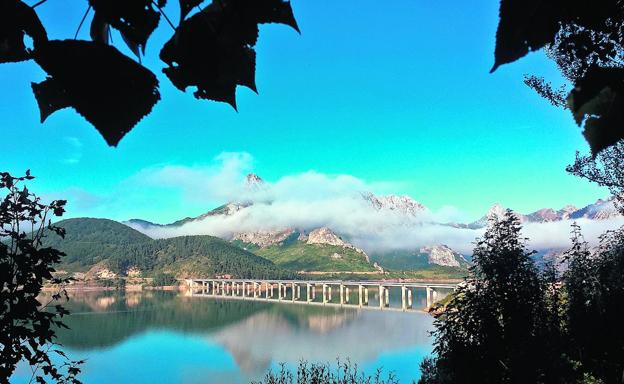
357, 294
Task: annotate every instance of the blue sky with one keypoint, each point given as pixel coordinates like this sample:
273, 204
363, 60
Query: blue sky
397, 94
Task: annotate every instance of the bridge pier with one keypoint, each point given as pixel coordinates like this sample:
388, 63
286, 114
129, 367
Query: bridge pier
428, 293
381, 297
324, 293
360, 295
403, 298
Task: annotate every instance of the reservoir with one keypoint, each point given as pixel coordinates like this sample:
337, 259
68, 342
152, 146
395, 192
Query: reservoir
172, 337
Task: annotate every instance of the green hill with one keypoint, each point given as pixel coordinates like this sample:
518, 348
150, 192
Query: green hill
197, 256
422, 259
402, 260
299, 256
107, 243
90, 241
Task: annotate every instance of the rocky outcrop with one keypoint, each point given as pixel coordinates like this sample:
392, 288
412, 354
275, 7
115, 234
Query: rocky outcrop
100, 271
326, 236
443, 255
264, 238
133, 272
319, 236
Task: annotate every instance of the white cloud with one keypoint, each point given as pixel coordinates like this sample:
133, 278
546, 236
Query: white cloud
310, 200
221, 181
73, 150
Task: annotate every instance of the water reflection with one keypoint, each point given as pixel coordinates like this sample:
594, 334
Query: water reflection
168, 337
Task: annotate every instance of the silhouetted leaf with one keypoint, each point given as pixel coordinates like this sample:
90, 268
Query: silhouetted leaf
525, 25
50, 96
267, 11
100, 29
135, 48
186, 6
598, 100
213, 49
16, 20
107, 88
135, 19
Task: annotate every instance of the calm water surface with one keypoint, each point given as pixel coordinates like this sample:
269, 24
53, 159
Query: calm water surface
167, 337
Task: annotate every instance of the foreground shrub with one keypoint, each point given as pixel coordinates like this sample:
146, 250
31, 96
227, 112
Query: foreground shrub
323, 373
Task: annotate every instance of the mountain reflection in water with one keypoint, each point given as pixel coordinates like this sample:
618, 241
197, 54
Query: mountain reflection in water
168, 337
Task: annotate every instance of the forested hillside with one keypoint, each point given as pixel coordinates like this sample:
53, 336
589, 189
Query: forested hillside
299, 256
108, 244
90, 241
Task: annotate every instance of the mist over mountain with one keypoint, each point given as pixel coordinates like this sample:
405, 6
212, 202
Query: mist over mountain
270, 214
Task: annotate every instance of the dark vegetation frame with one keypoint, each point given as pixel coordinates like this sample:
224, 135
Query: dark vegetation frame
211, 50
27, 326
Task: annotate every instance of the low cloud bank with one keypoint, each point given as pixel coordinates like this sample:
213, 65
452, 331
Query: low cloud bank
310, 200
375, 231
306, 201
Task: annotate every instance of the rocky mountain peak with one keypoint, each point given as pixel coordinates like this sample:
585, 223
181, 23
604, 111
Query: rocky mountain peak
543, 215
600, 210
252, 179
567, 211
395, 203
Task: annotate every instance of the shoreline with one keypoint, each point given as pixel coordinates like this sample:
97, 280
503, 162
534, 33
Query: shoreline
101, 288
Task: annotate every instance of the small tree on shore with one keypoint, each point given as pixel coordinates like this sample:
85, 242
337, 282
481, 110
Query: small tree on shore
495, 329
27, 326
595, 288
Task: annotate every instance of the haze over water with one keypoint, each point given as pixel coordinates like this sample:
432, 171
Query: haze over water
158, 337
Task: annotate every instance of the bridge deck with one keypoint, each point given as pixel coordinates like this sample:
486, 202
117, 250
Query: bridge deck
305, 292
369, 283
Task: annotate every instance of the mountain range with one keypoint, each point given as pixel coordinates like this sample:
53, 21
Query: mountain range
600, 210
324, 249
